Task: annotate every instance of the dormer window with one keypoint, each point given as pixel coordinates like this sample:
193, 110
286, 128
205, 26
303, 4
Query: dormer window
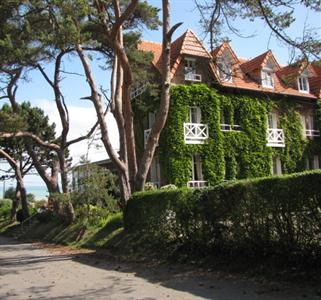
224, 69
303, 84
190, 65
267, 78
190, 70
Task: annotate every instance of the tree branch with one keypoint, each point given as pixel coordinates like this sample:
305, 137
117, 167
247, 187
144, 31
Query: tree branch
123, 17
35, 138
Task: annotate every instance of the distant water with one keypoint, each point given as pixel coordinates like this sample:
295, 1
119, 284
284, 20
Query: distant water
40, 192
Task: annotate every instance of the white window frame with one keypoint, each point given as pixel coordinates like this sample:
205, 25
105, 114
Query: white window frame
276, 165
224, 67
316, 162
151, 119
155, 171
197, 169
303, 84
190, 65
312, 162
273, 120
267, 78
195, 114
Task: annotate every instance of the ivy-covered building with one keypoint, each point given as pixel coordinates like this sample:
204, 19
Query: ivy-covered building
230, 118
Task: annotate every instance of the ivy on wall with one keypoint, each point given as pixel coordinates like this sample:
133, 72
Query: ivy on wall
246, 154
232, 154
175, 155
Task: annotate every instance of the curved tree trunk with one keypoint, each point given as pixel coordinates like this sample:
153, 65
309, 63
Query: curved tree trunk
15, 206
21, 194
162, 114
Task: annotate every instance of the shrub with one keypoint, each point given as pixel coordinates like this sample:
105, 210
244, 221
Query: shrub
169, 187
10, 193
149, 186
280, 215
45, 216
5, 208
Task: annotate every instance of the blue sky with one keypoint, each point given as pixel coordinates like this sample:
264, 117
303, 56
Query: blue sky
39, 94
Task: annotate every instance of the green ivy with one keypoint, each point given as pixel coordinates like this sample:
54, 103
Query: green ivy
176, 156
233, 154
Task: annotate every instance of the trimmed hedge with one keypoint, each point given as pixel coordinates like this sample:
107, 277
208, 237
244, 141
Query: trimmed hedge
277, 215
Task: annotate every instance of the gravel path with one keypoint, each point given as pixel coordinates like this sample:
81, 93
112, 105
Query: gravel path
32, 271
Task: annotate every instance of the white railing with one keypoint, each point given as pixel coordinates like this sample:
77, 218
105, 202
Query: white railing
193, 77
311, 133
228, 127
197, 184
146, 136
195, 133
275, 137
138, 90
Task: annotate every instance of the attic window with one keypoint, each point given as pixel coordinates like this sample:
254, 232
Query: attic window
190, 70
224, 68
267, 78
303, 84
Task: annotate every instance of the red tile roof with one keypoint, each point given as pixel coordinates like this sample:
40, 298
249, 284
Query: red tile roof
186, 44
155, 48
220, 50
189, 44
315, 85
259, 62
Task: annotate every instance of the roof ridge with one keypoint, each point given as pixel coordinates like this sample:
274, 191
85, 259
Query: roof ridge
152, 42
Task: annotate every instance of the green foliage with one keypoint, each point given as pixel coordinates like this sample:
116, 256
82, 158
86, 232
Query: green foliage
10, 193
10, 122
169, 187
5, 209
278, 215
95, 186
95, 196
149, 186
31, 197
245, 151
175, 155
292, 156
232, 154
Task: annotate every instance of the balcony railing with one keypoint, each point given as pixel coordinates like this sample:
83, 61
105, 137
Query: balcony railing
138, 90
197, 184
193, 77
228, 127
275, 137
311, 133
146, 136
195, 133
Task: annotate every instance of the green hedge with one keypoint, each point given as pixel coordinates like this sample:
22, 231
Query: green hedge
269, 215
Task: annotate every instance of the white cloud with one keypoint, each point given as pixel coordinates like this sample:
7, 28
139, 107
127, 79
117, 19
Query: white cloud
81, 120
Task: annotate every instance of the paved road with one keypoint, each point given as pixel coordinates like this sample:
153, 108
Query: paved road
29, 271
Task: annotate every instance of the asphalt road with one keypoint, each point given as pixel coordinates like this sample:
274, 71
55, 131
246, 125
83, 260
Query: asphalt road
33, 271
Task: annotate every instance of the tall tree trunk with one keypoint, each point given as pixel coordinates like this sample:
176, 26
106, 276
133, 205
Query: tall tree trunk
15, 206
162, 114
23, 197
51, 181
20, 186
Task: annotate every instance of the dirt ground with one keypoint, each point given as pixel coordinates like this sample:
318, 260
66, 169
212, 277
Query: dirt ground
38, 271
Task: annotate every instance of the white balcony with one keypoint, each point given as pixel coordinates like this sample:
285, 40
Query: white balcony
197, 184
195, 133
311, 133
275, 137
138, 90
228, 127
146, 136
193, 77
